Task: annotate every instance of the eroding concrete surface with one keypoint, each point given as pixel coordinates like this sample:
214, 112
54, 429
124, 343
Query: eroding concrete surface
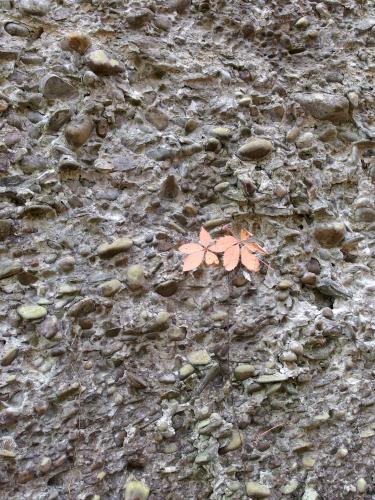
124, 127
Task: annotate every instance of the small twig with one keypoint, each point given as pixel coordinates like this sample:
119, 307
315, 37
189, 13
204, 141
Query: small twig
259, 436
211, 374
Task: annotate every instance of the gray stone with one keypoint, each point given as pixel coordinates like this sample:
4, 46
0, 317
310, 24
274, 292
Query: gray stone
272, 379
32, 312
58, 119
78, 132
244, 371
324, 106
6, 228
365, 214
110, 288
330, 234
136, 490
257, 490
157, 117
103, 65
310, 494
139, 17
35, 7
8, 269
135, 277
361, 485
54, 87
167, 288
107, 250
198, 358
17, 29
9, 356
256, 149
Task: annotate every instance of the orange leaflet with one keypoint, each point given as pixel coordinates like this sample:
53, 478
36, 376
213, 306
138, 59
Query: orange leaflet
199, 252
235, 249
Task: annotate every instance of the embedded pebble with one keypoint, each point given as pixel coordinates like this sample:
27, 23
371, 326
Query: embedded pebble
103, 65
9, 356
78, 131
8, 269
198, 358
54, 87
135, 277
257, 490
244, 371
330, 234
136, 490
35, 7
109, 288
76, 41
256, 149
361, 485
325, 106
310, 494
32, 312
107, 250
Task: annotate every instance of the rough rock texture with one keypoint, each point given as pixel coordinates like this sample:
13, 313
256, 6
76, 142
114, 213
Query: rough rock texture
125, 127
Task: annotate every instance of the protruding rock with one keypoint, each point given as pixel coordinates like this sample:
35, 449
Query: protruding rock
32, 312
244, 371
17, 29
54, 87
35, 7
257, 490
82, 308
310, 494
365, 214
110, 249
256, 149
135, 277
109, 288
185, 371
272, 379
361, 485
170, 188
234, 443
9, 356
79, 131
58, 119
101, 64
8, 269
79, 42
198, 358
222, 133
157, 117
167, 288
6, 228
330, 234
135, 490
139, 17
325, 106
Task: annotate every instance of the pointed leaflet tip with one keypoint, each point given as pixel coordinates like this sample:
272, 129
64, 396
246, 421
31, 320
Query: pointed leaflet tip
249, 260
254, 247
204, 237
190, 248
245, 234
193, 261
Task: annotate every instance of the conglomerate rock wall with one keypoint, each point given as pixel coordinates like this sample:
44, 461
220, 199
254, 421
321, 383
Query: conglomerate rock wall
125, 126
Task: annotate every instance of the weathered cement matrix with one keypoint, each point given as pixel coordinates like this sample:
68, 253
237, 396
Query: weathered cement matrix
124, 127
